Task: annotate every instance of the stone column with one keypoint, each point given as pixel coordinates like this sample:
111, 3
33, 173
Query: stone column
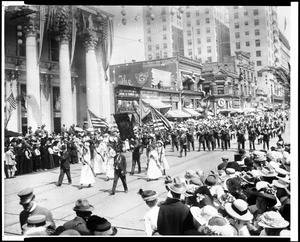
46, 101
32, 77
74, 99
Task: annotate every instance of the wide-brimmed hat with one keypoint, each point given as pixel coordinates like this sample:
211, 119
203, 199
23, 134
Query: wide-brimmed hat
281, 172
70, 232
148, 195
248, 177
220, 226
210, 180
83, 205
203, 215
26, 195
272, 219
239, 210
189, 174
266, 192
286, 179
100, 225
230, 172
274, 164
267, 171
225, 157
196, 181
279, 183
36, 221
160, 142
241, 152
177, 186
232, 184
262, 184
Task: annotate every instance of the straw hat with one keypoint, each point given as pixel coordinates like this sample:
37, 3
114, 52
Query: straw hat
203, 215
268, 172
36, 221
239, 210
177, 186
272, 219
83, 205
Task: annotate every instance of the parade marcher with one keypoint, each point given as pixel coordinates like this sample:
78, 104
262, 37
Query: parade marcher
111, 153
65, 159
252, 137
154, 171
174, 139
266, 138
83, 211
162, 157
10, 162
31, 208
207, 137
183, 144
201, 139
136, 155
119, 169
150, 218
87, 175
241, 139
100, 226
190, 140
100, 158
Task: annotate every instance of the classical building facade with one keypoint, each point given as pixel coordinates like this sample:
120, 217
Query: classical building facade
56, 59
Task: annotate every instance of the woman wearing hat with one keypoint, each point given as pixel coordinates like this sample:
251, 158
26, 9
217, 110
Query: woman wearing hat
100, 226
87, 176
37, 226
162, 157
100, 158
150, 218
272, 223
154, 170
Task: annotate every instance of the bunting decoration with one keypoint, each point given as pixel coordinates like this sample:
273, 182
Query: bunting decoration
159, 121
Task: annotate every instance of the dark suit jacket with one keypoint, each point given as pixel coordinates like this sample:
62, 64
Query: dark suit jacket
78, 224
121, 164
65, 160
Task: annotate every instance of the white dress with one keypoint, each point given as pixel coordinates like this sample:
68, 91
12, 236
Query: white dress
163, 161
150, 220
110, 162
100, 160
154, 170
86, 176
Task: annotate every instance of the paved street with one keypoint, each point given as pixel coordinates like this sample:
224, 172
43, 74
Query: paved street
125, 211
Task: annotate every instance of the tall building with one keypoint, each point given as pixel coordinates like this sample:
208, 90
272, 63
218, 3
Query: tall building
207, 33
163, 34
254, 29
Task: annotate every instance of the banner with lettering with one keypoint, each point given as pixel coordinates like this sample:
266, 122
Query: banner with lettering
124, 125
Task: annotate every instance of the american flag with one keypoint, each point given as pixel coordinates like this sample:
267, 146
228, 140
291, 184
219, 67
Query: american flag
12, 101
159, 121
98, 122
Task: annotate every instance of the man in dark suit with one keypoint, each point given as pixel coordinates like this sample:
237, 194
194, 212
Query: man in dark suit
120, 169
201, 139
65, 159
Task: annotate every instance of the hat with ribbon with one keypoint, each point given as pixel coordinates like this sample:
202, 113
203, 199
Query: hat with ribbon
83, 205
230, 172
100, 226
210, 180
148, 195
189, 174
268, 171
203, 215
239, 209
232, 184
281, 172
160, 142
220, 226
177, 186
36, 221
279, 183
248, 177
272, 219
268, 193
26, 195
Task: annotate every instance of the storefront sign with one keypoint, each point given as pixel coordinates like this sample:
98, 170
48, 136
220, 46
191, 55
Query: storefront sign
236, 103
125, 93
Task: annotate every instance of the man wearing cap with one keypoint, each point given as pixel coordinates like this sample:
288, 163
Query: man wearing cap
83, 211
31, 208
174, 217
65, 160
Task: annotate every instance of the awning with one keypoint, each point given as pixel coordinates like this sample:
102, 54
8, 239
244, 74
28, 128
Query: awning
176, 113
188, 78
156, 103
192, 112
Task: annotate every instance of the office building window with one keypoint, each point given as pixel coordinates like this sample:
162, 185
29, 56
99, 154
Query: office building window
164, 19
198, 31
197, 22
245, 13
149, 30
257, 42
236, 25
149, 56
165, 54
188, 23
208, 39
157, 55
197, 13
237, 45
149, 39
149, 48
208, 30
164, 36
190, 52
165, 46
258, 53
259, 74
198, 41
255, 12
246, 23
247, 43
148, 22
157, 46
258, 63
237, 35
188, 14
189, 33
189, 42
256, 31
208, 49
207, 20
199, 50
200, 59
236, 15
256, 22
164, 27
209, 59
206, 11
247, 33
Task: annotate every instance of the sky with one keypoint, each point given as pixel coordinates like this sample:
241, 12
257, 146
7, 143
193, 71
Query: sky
283, 12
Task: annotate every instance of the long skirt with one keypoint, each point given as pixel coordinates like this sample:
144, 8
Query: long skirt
165, 163
51, 161
110, 168
86, 176
154, 171
99, 165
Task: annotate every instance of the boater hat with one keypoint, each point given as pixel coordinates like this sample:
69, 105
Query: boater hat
36, 221
177, 186
272, 219
239, 210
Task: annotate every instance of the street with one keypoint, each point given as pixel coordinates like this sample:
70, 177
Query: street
124, 211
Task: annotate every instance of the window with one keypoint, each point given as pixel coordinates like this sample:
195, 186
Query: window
200, 59
255, 12
206, 11
54, 48
148, 22
164, 37
236, 25
188, 14
148, 30
209, 59
157, 46
259, 74
237, 45
257, 42
245, 13
149, 39
256, 32
236, 15
190, 52
149, 56
164, 19
157, 55
208, 49
207, 20
165, 46
237, 35
199, 50
189, 33
198, 31
246, 23
208, 39
188, 23
258, 63
197, 13
258, 53
247, 33
256, 22
197, 22
198, 41
189, 42
165, 54
164, 27
208, 30
247, 43
149, 48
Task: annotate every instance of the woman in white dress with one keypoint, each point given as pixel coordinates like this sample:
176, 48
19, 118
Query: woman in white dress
100, 158
162, 157
111, 153
154, 168
87, 175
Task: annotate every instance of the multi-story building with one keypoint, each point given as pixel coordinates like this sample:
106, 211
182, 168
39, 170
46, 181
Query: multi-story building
163, 32
206, 33
254, 29
54, 65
